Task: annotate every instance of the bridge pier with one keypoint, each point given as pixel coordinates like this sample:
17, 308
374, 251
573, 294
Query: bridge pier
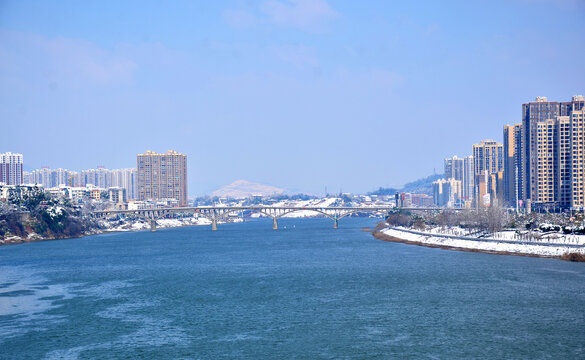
274, 224
214, 224
152, 225
335, 223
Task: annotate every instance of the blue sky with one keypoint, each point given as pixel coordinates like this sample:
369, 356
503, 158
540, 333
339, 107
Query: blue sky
297, 94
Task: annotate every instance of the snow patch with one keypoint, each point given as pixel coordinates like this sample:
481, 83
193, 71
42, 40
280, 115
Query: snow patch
505, 241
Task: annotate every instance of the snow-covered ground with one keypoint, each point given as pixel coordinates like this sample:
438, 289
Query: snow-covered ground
550, 244
126, 225
326, 202
141, 224
306, 203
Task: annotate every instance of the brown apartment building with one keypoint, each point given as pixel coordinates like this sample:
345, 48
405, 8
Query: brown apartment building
548, 154
162, 177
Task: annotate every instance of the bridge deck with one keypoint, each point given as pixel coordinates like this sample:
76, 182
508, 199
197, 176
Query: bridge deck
219, 213
258, 208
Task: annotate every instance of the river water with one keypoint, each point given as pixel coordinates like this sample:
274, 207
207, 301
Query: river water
305, 291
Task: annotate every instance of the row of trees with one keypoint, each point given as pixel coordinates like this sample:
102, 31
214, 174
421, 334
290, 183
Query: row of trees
488, 220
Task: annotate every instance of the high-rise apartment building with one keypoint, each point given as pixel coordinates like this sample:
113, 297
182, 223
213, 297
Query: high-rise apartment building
544, 176
11, 168
512, 163
519, 143
562, 161
117, 195
100, 177
48, 178
495, 187
162, 176
577, 162
551, 152
461, 169
488, 158
125, 178
446, 192
533, 113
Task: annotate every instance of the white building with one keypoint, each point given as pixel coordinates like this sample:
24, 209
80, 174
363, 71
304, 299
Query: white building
11, 169
117, 195
48, 178
446, 192
461, 169
22, 190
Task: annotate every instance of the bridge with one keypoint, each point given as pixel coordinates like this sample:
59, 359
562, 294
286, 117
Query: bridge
223, 213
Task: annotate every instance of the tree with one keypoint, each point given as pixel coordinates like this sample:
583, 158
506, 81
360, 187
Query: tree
15, 196
33, 198
6, 208
397, 217
495, 219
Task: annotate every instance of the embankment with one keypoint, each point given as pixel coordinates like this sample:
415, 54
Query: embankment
566, 249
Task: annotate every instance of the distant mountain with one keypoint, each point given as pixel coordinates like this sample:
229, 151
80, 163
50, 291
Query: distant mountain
420, 186
244, 189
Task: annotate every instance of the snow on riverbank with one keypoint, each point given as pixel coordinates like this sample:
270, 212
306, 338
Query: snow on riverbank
554, 244
318, 203
300, 204
121, 225
141, 224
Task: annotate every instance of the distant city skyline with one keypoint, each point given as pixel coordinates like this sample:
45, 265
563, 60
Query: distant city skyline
538, 166
301, 95
101, 178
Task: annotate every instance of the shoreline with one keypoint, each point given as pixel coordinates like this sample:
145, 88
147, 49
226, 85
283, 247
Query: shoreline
385, 237
16, 240
379, 234
98, 232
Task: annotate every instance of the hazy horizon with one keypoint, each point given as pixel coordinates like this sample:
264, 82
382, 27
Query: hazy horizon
299, 94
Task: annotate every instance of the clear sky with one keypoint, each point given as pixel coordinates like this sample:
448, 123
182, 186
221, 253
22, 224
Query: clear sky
299, 94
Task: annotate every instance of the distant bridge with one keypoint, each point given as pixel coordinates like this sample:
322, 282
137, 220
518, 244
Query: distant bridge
219, 213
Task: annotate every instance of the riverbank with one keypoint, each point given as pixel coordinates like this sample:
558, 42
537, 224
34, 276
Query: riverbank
106, 226
34, 237
566, 247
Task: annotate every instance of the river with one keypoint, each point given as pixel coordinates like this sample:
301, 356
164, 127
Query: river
304, 291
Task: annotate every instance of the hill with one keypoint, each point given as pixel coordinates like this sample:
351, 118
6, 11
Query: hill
420, 186
244, 189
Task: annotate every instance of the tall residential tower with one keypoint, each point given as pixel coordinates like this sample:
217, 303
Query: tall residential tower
512, 163
552, 153
461, 169
577, 145
11, 168
488, 158
162, 177
533, 113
